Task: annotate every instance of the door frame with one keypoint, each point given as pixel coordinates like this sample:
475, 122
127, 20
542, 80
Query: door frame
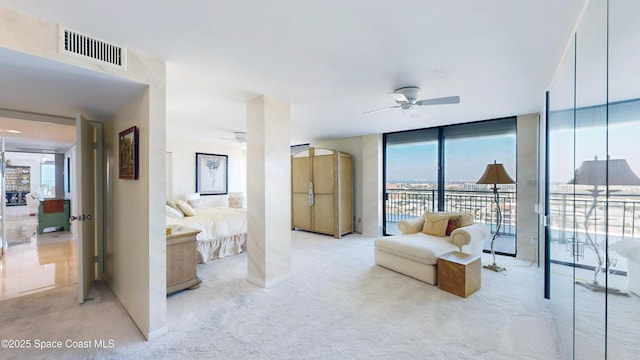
99, 173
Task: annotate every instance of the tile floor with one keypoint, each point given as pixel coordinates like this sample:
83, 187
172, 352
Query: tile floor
33, 262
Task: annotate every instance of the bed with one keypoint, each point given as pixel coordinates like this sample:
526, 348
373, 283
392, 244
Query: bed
223, 231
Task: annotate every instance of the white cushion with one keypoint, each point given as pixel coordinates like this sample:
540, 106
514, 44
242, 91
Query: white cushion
186, 208
173, 213
418, 247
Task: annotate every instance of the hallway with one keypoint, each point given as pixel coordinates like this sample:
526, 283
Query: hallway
33, 262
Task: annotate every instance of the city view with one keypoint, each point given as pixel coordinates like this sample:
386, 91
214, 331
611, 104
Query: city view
583, 218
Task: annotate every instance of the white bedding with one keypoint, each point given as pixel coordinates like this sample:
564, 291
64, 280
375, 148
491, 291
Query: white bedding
223, 231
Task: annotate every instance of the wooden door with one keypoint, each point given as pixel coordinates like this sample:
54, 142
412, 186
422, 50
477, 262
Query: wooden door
324, 211
345, 186
300, 179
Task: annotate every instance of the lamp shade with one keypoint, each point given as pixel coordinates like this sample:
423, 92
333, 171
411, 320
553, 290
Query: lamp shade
595, 172
495, 174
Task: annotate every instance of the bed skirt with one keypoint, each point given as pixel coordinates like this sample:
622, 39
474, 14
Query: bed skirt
220, 247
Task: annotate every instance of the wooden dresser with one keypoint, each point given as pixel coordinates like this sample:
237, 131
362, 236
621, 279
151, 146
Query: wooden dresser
181, 259
322, 191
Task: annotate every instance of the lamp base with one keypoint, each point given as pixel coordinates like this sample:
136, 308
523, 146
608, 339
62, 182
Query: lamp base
495, 268
599, 288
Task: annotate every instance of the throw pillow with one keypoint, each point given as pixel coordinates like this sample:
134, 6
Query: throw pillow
435, 224
186, 208
454, 223
173, 205
172, 213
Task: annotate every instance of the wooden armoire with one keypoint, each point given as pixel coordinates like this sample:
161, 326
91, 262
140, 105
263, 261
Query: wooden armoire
322, 191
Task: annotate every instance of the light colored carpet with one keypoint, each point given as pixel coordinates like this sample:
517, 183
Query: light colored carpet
337, 305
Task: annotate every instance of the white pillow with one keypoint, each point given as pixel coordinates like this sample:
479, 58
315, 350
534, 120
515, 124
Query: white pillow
195, 203
173, 213
186, 208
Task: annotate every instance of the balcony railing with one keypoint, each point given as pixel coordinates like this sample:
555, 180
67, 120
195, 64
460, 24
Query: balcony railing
568, 215
568, 211
408, 203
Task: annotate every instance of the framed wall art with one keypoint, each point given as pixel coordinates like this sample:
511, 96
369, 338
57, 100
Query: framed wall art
128, 147
212, 174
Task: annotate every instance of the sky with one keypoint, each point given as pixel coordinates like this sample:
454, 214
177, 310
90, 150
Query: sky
589, 143
465, 159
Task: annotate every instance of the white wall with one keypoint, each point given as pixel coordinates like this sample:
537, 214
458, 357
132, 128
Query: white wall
372, 185
127, 255
183, 158
135, 245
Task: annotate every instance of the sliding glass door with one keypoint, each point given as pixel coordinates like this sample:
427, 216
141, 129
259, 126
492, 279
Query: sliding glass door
436, 170
411, 176
468, 149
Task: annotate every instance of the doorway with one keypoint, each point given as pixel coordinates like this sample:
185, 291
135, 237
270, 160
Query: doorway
36, 258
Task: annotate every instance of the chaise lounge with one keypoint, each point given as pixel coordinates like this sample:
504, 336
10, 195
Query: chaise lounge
415, 253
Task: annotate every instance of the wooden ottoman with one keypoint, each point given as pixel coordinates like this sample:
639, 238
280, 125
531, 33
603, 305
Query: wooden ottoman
459, 273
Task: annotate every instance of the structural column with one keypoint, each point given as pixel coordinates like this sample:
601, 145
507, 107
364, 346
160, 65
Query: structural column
268, 191
372, 185
527, 187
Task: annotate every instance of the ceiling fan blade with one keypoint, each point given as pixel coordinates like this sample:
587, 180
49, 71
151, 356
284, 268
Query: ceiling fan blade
380, 110
399, 97
439, 101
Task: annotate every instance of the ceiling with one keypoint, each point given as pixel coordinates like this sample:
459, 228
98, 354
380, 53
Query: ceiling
332, 60
36, 136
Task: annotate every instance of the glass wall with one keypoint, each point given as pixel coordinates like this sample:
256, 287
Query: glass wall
593, 188
437, 169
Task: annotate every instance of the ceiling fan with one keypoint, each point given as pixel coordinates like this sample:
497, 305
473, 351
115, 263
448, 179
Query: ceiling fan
407, 99
240, 137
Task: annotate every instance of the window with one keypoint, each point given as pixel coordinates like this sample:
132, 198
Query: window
411, 175
48, 178
437, 169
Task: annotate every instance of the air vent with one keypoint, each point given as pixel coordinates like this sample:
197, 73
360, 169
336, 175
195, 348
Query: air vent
90, 47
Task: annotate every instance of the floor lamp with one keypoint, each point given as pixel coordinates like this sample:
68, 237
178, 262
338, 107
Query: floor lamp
599, 173
495, 174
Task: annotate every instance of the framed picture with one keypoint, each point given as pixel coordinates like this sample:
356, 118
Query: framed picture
128, 145
211, 174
